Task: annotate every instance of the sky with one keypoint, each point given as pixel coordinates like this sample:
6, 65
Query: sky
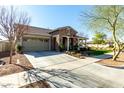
54, 16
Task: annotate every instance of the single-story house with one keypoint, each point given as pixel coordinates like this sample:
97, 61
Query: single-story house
39, 39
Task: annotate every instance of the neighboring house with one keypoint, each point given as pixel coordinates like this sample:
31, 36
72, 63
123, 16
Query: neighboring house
4, 44
102, 46
98, 45
39, 39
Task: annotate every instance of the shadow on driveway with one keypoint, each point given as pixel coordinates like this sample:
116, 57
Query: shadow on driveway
61, 78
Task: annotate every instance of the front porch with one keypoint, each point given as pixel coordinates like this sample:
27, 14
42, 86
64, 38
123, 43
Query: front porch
68, 42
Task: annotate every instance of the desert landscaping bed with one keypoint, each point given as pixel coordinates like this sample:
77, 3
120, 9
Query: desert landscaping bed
110, 63
15, 67
87, 53
39, 84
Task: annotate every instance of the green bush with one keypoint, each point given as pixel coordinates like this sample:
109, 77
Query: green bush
61, 47
19, 48
99, 52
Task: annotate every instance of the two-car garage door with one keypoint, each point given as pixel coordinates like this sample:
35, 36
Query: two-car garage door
35, 44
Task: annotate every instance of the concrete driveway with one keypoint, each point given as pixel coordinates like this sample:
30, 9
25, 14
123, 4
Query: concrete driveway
48, 58
60, 70
78, 72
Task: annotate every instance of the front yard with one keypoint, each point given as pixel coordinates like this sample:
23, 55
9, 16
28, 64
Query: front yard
108, 62
95, 52
58, 61
87, 52
15, 67
98, 52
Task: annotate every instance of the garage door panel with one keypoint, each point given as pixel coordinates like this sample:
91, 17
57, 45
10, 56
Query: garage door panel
30, 44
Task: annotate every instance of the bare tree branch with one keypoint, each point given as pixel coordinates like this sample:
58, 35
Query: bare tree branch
13, 24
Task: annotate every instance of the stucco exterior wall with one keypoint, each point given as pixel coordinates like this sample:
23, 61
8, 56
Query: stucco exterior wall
55, 43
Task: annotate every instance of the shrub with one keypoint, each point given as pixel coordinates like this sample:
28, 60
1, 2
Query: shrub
83, 49
61, 47
99, 52
75, 47
19, 48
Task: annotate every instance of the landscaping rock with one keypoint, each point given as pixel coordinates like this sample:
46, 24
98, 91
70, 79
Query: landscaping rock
72, 53
82, 57
66, 52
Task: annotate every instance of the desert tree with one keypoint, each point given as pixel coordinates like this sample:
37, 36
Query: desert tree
107, 18
99, 38
13, 23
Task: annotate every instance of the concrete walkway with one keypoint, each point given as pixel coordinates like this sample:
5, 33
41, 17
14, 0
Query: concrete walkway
62, 70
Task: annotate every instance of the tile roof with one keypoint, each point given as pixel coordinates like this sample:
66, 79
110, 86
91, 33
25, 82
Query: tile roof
65, 27
45, 32
38, 31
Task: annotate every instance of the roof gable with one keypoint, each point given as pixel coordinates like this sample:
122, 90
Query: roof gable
65, 27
